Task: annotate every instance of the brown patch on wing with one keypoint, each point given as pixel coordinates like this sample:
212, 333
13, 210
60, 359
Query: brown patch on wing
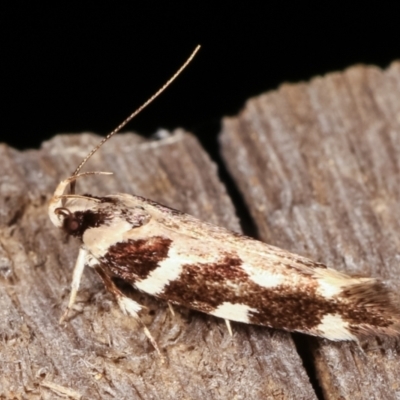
302, 309
135, 259
204, 287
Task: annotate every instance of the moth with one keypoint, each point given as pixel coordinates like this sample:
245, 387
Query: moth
180, 259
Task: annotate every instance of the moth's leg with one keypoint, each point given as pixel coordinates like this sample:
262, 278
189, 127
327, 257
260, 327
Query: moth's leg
127, 305
171, 309
228, 325
76, 280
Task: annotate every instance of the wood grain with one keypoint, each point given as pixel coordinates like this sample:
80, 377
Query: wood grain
318, 165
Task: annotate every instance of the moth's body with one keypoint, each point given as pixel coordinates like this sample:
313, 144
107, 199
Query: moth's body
180, 259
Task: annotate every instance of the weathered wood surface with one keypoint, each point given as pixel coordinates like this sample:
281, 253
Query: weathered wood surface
100, 353
318, 165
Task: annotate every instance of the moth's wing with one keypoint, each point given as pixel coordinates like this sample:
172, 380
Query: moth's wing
211, 269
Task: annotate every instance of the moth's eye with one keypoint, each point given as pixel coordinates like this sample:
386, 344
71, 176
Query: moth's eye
71, 224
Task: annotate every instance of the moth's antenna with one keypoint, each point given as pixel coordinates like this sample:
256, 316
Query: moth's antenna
137, 111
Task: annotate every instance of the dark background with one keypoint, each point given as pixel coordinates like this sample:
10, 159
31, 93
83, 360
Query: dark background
84, 67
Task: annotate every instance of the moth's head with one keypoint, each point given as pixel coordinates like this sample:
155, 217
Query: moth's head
73, 212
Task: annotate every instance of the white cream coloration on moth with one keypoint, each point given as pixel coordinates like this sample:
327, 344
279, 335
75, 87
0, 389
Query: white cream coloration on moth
183, 260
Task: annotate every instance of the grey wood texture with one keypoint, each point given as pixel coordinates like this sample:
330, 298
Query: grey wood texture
100, 353
318, 165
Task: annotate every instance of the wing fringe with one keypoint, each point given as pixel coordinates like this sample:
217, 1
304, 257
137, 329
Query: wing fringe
381, 305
